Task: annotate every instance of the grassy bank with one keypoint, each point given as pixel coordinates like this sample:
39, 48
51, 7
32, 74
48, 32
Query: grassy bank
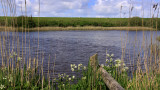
85, 28
79, 23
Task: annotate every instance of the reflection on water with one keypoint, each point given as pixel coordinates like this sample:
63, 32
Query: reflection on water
68, 47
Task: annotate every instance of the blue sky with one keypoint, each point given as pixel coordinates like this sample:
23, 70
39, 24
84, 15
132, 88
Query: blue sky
83, 8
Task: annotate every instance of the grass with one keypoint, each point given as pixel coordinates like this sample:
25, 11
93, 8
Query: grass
55, 23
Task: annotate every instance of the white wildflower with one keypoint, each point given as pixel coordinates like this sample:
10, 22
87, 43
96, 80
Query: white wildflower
124, 64
72, 69
69, 79
4, 78
112, 55
102, 65
74, 65
63, 85
79, 66
2, 86
111, 59
14, 53
67, 75
107, 55
117, 65
84, 67
71, 65
118, 61
59, 75
108, 66
107, 60
19, 58
84, 78
10, 78
73, 77
124, 69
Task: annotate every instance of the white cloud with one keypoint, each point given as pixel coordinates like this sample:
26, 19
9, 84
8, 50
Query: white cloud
83, 8
60, 7
111, 8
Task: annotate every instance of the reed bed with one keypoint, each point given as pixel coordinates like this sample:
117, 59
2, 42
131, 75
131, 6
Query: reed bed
85, 28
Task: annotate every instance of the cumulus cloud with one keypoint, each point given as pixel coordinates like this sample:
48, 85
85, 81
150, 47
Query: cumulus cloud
83, 8
112, 8
60, 7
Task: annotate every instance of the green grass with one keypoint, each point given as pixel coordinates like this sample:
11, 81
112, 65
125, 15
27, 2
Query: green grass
75, 22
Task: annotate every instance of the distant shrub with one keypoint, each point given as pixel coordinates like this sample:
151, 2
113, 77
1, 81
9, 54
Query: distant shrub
2, 22
107, 24
31, 23
43, 23
136, 21
23, 21
54, 23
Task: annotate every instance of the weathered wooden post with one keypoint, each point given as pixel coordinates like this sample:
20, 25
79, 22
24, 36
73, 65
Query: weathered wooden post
94, 64
107, 78
111, 83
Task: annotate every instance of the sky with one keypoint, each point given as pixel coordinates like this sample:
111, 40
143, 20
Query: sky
81, 8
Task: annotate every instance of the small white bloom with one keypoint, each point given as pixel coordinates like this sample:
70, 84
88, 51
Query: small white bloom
75, 67
80, 65
59, 75
102, 65
15, 54
84, 67
4, 78
67, 75
126, 68
112, 55
107, 55
111, 59
118, 61
69, 79
73, 77
71, 65
108, 66
63, 85
19, 58
10, 78
72, 69
107, 60
2, 86
84, 78
117, 65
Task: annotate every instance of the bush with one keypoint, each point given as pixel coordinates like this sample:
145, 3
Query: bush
136, 21
25, 22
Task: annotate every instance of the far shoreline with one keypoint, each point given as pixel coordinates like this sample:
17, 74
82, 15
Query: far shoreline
85, 28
